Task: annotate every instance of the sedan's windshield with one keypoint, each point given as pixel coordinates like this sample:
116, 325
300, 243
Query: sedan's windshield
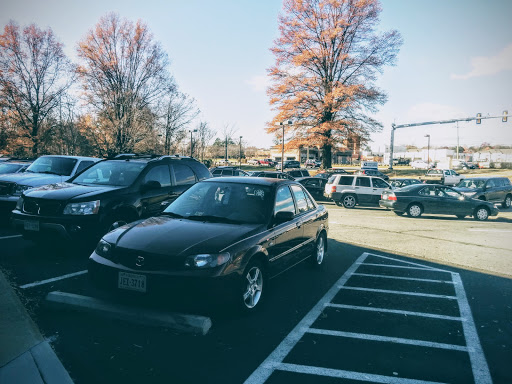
473, 184
113, 172
224, 202
53, 165
9, 168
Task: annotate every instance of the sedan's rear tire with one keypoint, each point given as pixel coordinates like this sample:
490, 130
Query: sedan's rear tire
319, 252
349, 201
507, 202
414, 210
481, 214
339, 203
461, 216
398, 213
253, 283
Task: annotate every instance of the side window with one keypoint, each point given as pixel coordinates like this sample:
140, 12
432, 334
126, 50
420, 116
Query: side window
427, 191
183, 174
490, 183
346, 180
363, 182
159, 173
284, 201
311, 204
300, 199
440, 192
313, 183
217, 172
200, 170
227, 172
83, 164
379, 183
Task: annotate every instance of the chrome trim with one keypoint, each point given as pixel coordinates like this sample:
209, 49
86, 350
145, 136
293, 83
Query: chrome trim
291, 250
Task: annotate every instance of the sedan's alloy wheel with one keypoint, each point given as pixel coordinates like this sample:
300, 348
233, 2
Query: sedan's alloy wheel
254, 286
319, 251
508, 202
481, 214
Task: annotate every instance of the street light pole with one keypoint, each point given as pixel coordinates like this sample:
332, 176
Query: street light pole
240, 156
283, 123
428, 150
191, 142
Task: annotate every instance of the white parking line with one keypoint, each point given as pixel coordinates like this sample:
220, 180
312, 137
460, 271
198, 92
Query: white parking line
35, 284
489, 230
10, 237
275, 360
403, 278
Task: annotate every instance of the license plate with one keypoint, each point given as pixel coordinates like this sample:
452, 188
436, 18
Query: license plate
132, 281
31, 225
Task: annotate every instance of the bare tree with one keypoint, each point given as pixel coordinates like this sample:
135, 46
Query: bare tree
178, 111
124, 74
34, 75
204, 136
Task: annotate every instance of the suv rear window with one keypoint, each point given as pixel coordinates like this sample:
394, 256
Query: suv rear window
183, 174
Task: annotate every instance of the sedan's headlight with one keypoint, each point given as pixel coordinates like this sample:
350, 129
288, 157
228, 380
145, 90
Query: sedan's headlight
19, 189
86, 208
207, 260
104, 249
19, 204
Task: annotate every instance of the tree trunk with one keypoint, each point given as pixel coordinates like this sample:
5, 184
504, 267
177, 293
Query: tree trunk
327, 156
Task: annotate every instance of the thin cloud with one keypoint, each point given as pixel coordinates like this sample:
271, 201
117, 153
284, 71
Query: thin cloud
258, 83
486, 66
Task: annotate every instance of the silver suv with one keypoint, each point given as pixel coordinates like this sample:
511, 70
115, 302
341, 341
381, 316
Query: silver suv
350, 190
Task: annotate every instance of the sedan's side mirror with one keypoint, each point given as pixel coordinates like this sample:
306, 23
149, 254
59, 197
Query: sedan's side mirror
151, 184
283, 217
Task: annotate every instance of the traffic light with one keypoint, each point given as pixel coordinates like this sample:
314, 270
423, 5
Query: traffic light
505, 115
478, 121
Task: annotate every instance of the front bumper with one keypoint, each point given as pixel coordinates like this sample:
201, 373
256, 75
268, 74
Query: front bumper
8, 203
66, 227
104, 274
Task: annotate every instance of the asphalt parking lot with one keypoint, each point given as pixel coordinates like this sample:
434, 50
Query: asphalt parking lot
399, 300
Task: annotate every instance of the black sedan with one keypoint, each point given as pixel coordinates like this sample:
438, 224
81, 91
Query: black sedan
437, 199
222, 234
314, 185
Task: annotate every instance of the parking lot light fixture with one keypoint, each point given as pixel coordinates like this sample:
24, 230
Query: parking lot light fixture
283, 123
240, 157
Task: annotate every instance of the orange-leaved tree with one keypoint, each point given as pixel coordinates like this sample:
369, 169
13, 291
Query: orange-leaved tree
124, 74
34, 76
328, 56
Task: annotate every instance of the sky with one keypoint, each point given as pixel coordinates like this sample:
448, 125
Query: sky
456, 60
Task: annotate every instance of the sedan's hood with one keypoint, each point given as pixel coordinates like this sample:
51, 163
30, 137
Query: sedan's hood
66, 191
167, 236
33, 179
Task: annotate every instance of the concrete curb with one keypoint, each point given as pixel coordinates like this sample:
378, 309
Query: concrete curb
25, 357
176, 321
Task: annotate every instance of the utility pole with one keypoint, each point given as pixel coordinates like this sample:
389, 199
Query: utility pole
191, 142
283, 123
240, 156
477, 118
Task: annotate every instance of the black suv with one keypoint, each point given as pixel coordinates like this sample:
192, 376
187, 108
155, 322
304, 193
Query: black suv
493, 189
224, 171
288, 164
106, 195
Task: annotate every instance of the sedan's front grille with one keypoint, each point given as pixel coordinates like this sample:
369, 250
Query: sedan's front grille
5, 188
150, 262
41, 207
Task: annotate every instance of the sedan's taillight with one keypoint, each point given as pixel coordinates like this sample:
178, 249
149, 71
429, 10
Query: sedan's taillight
389, 196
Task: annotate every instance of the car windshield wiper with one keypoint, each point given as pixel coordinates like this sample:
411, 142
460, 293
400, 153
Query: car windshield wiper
50, 173
172, 214
214, 219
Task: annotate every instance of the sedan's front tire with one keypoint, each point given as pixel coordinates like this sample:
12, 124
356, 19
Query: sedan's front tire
481, 214
414, 210
254, 280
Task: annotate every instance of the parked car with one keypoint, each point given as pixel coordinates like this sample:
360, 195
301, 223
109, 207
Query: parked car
110, 193
14, 166
493, 189
267, 162
441, 176
288, 164
45, 170
311, 163
349, 191
222, 162
330, 172
298, 173
400, 182
436, 199
215, 236
227, 171
253, 162
314, 185
372, 172
272, 175
420, 164
461, 164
